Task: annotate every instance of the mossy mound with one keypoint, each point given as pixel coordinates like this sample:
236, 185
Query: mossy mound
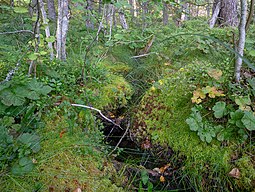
162, 114
69, 159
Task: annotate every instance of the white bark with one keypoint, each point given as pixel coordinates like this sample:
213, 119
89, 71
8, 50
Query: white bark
241, 42
216, 12
123, 21
47, 29
62, 28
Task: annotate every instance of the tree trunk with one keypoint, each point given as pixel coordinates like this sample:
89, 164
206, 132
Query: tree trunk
215, 14
51, 10
132, 11
241, 41
165, 13
47, 29
251, 12
208, 8
123, 21
89, 8
228, 12
62, 28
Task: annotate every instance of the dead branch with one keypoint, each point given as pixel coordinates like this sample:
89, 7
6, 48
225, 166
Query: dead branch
120, 139
13, 32
99, 111
143, 55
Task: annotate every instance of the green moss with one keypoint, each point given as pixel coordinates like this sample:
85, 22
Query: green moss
67, 160
162, 114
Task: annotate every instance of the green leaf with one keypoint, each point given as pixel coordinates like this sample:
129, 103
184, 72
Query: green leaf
23, 166
2, 108
33, 56
7, 121
30, 140
236, 117
249, 120
252, 53
8, 98
50, 39
20, 10
243, 101
39, 87
219, 109
144, 177
33, 95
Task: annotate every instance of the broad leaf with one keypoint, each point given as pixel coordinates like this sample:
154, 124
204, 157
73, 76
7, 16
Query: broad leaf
31, 140
236, 118
219, 109
8, 98
243, 102
249, 120
23, 166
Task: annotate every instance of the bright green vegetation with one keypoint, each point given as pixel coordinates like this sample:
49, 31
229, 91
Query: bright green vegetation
181, 95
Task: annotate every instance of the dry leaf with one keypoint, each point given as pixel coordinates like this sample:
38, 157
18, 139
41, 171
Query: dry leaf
215, 73
77, 190
146, 144
62, 133
235, 173
162, 179
162, 169
156, 169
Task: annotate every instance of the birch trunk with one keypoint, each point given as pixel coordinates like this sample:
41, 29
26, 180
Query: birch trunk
51, 10
215, 14
123, 20
47, 28
165, 13
62, 28
241, 42
251, 13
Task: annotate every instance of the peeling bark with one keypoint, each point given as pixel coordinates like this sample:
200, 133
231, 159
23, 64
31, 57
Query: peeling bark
51, 10
241, 42
62, 28
215, 14
123, 20
47, 29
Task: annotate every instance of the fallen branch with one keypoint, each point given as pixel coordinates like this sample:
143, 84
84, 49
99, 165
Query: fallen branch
13, 32
143, 55
120, 139
99, 111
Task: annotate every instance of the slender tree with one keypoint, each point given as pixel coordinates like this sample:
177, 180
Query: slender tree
62, 28
225, 13
241, 42
47, 28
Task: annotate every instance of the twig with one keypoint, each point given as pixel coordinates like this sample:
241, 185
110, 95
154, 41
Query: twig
120, 139
102, 115
143, 55
13, 32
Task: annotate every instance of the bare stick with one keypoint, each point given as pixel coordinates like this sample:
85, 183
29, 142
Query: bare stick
13, 32
102, 115
120, 139
143, 55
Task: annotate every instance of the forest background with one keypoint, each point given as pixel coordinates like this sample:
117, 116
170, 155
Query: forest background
127, 95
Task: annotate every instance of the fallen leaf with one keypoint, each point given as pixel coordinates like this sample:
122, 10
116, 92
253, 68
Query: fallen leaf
235, 173
62, 133
162, 179
77, 190
215, 73
162, 169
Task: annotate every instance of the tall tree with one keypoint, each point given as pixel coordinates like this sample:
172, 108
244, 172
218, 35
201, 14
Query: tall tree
241, 41
224, 13
62, 28
51, 10
47, 28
